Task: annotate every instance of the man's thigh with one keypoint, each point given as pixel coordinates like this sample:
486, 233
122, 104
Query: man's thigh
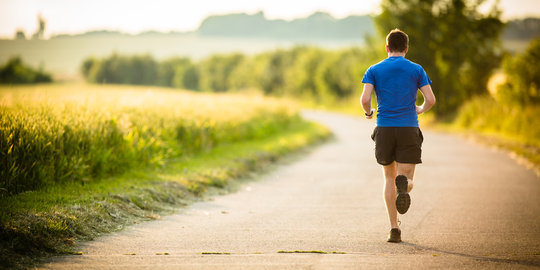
409, 145
385, 145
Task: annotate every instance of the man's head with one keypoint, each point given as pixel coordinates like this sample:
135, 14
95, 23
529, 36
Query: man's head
397, 41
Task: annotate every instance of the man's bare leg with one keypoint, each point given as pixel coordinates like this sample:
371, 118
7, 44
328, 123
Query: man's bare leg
406, 169
390, 193
403, 199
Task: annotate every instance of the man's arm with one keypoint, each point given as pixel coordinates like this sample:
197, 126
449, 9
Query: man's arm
366, 99
429, 99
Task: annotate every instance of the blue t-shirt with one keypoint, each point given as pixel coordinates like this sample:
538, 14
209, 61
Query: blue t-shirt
396, 81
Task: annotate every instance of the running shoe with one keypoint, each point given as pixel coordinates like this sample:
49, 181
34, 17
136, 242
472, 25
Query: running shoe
395, 235
403, 200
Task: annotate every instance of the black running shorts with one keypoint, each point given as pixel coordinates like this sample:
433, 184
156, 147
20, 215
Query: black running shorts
401, 144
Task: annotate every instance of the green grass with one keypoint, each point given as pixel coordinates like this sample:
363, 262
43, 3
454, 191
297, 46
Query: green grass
489, 116
51, 220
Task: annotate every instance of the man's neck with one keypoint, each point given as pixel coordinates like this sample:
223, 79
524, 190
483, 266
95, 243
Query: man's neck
392, 54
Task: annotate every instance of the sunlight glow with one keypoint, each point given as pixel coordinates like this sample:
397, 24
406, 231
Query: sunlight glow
134, 16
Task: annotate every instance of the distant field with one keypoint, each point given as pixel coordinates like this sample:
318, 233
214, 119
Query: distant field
63, 56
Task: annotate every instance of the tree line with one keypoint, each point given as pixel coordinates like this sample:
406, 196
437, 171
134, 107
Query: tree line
301, 72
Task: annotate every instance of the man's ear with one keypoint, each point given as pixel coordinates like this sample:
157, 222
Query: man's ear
387, 50
406, 49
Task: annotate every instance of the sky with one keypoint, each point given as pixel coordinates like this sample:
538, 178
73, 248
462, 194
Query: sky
135, 16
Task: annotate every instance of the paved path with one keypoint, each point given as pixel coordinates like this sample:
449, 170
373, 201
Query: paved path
472, 207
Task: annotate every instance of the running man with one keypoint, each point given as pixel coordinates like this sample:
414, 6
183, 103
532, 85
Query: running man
398, 139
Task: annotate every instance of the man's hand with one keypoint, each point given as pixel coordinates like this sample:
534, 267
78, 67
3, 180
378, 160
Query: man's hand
429, 99
370, 115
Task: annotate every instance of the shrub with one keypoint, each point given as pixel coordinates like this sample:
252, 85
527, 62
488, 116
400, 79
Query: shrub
523, 77
15, 72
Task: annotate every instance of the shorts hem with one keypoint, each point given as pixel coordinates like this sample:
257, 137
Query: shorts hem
384, 164
404, 162
410, 162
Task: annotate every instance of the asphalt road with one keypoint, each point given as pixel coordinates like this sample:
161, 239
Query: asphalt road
472, 207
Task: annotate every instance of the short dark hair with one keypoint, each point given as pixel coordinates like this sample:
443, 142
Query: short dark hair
397, 41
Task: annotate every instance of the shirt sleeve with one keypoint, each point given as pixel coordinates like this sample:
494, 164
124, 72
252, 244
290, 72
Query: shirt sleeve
368, 77
423, 79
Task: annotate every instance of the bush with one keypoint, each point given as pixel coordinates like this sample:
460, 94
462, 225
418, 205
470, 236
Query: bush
116, 69
15, 72
523, 77
485, 114
178, 73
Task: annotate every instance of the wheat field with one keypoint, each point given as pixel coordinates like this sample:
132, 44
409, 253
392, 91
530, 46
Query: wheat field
51, 134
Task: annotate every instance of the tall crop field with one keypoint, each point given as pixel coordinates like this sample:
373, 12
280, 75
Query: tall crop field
63, 133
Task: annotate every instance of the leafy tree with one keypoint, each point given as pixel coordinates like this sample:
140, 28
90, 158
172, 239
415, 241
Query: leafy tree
458, 46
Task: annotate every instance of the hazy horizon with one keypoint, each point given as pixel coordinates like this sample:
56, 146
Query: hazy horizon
77, 16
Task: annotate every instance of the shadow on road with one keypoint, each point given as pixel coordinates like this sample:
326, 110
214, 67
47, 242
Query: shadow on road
476, 257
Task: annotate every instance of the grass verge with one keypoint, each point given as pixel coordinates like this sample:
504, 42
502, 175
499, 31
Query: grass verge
41, 223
